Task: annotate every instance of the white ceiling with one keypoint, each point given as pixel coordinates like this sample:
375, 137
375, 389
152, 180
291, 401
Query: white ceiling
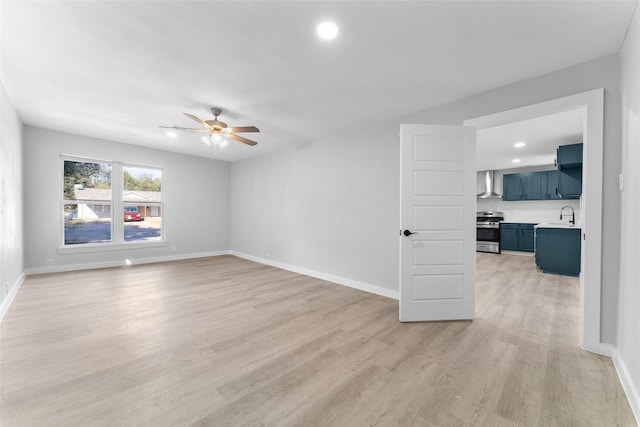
542, 135
118, 70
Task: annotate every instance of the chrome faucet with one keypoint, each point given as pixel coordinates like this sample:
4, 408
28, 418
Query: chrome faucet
573, 214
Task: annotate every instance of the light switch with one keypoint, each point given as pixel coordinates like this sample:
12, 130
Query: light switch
621, 181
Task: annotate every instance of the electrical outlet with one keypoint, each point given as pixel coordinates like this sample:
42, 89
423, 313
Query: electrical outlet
173, 248
49, 263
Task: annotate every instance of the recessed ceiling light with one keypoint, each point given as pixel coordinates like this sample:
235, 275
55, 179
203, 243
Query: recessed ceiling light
172, 134
519, 144
516, 160
327, 30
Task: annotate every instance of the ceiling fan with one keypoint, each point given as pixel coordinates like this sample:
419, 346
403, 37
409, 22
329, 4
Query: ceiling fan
217, 130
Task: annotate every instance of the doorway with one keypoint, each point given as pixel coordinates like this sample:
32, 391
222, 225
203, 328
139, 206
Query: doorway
592, 107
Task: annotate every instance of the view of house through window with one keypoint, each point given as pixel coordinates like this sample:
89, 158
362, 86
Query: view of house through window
87, 202
92, 196
142, 200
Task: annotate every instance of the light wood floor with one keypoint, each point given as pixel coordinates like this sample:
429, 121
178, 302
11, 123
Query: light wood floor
227, 342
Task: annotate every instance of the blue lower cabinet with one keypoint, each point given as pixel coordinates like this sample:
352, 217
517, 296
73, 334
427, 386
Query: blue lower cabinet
558, 250
526, 237
516, 237
508, 237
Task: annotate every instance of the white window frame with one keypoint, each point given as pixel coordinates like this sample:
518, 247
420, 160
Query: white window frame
117, 205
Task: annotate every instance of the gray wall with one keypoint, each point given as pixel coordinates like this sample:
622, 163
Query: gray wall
196, 216
333, 205
11, 204
330, 206
629, 311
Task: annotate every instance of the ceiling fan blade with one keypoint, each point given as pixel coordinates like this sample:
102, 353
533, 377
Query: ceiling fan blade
197, 119
243, 129
184, 129
241, 139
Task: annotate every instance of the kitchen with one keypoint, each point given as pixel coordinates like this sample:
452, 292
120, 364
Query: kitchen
529, 191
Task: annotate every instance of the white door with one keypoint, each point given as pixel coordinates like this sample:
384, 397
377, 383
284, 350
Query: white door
438, 204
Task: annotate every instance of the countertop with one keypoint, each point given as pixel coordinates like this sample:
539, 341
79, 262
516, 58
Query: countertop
542, 224
557, 225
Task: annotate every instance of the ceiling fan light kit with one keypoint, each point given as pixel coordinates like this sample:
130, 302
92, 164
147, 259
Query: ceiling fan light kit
218, 132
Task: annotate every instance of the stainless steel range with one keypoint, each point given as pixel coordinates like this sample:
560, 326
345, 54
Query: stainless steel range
488, 231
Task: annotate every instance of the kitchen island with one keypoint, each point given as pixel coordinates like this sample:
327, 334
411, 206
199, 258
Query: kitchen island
557, 248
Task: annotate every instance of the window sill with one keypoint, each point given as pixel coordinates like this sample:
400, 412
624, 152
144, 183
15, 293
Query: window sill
84, 248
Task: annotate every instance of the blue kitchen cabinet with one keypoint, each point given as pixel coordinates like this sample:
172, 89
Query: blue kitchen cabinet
569, 156
512, 187
552, 185
528, 186
570, 182
534, 185
508, 237
526, 237
517, 237
569, 163
558, 250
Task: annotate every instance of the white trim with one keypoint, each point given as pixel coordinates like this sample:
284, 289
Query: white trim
378, 290
8, 299
122, 262
591, 103
630, 389
101, 247
604, 349
116, 205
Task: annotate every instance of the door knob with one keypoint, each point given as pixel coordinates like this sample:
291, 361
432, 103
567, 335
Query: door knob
408, 233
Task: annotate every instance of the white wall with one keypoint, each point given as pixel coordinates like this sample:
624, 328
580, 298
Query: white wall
341, 194
11, 204
629, 306
196, 215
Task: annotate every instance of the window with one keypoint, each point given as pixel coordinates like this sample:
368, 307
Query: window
87, 202
94, 191
142, 199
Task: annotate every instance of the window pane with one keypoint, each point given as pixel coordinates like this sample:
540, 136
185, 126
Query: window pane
87, 223
142, 197
142, 223
87, 181
142, 179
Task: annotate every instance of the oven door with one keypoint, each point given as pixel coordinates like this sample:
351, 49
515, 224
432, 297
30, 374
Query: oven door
488, 238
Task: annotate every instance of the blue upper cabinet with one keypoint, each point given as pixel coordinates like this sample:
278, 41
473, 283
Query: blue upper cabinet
512, 187
563, 183
569, 162
527, 186
552, 185
569, 156
534, 186
570, 183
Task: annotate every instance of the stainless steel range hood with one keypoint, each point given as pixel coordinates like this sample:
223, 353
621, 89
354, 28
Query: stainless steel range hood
488, 190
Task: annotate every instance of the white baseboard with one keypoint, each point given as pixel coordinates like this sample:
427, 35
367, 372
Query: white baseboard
601, 348
121, 262
378, 290
630, 389
13, 291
